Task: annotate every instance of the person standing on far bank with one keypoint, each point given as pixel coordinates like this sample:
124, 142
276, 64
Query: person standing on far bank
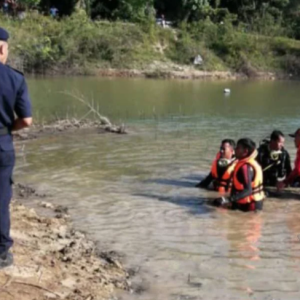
14, 100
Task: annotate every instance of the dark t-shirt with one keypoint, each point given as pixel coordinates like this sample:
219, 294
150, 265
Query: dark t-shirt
278, 170
209, 178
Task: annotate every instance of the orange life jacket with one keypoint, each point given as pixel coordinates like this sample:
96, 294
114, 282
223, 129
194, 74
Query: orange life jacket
222, 183
257, 182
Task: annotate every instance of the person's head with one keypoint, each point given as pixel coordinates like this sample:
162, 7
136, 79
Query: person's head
245, 147
296, 137
3, 45
227, 149
276, 140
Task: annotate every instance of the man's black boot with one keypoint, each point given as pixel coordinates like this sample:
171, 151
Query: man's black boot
6, 260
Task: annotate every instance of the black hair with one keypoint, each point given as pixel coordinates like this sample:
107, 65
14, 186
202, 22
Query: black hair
230, 142
275, 135
247, 144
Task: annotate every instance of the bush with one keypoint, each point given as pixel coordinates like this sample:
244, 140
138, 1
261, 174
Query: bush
79, 44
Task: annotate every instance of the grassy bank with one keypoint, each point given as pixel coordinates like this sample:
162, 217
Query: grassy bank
77, 45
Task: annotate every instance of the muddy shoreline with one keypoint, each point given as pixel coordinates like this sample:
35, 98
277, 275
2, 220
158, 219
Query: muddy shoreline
169, 70
68, 126
52, 259
184, 73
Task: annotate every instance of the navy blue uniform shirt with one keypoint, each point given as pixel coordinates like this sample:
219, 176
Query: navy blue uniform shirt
14, 97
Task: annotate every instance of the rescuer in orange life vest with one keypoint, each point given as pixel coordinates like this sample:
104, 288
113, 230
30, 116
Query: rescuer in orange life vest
247, 186
222, 168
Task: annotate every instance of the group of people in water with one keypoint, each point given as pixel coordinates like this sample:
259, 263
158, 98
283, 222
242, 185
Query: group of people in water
240, 172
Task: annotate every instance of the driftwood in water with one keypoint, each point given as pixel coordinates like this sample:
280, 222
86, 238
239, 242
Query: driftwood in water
104, 121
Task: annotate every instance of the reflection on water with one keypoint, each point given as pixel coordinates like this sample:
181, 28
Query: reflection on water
135, 193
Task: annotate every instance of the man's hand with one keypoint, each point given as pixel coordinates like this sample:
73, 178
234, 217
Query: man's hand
21, 124
280, 185
200, 185
223, 201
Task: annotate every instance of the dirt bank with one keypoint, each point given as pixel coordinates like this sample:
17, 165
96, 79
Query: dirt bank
169, 70
163, 70
52, 260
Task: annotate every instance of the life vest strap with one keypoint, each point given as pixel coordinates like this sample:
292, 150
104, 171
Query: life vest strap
223, 183
257, 190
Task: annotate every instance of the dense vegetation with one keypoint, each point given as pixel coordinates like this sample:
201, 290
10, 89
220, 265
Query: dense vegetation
240, 35
263, 16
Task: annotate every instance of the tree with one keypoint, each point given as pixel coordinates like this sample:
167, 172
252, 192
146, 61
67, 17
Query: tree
29, 3
193, 6
248, 10
65, 7
133, 10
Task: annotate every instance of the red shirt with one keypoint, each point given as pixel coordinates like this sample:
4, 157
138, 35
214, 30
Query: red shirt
296, 171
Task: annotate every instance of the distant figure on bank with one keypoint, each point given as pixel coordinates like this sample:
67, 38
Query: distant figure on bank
163, 21
247, 186
294, 177
274, 159
53, 12
5, 7
222, 168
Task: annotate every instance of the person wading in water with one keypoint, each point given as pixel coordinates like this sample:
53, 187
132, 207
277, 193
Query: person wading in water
247, 186
222, 168
274, 159
294, 177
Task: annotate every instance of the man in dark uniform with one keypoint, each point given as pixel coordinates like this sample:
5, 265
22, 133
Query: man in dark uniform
14, 100
274, 159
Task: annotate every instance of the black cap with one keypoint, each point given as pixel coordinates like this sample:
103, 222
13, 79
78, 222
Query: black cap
297, 132
4, 36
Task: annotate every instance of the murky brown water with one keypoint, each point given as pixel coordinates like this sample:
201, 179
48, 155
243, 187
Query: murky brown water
135, 193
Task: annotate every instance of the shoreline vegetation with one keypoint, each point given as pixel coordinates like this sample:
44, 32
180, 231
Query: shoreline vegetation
77, 45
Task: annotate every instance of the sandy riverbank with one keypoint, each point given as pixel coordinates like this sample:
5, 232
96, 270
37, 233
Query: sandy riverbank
168, 70
54, 261
188, 74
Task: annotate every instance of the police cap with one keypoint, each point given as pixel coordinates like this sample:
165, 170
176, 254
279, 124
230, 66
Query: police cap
4, 36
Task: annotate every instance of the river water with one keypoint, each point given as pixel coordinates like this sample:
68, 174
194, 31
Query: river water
135, 193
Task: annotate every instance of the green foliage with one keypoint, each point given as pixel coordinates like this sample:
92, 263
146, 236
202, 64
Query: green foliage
79, 45
268, 17
43, 43
29, 3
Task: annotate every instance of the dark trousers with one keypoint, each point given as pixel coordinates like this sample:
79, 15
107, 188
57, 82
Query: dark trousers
7, 162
